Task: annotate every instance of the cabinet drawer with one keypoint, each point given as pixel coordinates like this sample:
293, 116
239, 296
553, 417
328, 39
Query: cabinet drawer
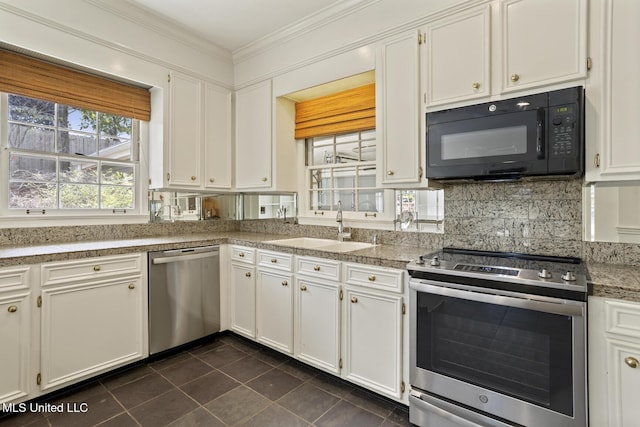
92, 268
243, 254
622, 318
316, 267
275, 260
14, 278
374, 277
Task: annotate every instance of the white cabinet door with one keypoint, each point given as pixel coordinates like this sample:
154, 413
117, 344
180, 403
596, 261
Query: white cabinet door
373, 341
457, 57
274, 309
398, 109
543, 42
15, 338
217, 137
614, 362
253, 136
185, 127
612, 125
317, 323
242, 292
89, 328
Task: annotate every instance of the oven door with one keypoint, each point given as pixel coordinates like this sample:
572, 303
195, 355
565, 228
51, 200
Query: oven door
488, 147
504, 354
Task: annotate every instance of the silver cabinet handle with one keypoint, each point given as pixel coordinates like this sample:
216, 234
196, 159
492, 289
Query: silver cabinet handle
354, 300
303, 288
285, 283
248, 274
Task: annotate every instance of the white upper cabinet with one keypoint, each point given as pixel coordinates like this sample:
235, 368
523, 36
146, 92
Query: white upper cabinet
543, 42
398, 110
185, 131
197, 137
265, 146
253, 136
218, 168
504, 46
613, 88
458, 56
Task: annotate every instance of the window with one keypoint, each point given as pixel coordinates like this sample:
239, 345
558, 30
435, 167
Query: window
63, 157
343, 168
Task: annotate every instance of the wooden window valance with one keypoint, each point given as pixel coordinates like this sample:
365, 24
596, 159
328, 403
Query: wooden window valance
34, 78
348, 111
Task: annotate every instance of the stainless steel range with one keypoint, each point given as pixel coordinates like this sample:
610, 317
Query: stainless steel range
497, 339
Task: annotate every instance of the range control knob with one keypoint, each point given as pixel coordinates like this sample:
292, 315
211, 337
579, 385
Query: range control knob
435, 262
420, 260
544, 274
569, 277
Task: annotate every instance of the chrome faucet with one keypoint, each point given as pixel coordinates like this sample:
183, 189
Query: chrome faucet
342, 235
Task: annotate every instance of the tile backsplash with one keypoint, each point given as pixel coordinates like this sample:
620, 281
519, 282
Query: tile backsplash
537, 217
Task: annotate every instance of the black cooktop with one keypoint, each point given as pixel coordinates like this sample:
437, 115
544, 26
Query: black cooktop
538, 274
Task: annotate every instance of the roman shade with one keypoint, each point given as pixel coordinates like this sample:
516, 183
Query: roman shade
348, 111
34, 78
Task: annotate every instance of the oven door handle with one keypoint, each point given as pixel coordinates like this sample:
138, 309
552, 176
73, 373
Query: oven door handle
568, 308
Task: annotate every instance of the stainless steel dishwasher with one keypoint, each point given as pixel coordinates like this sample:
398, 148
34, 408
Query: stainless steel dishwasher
184, 296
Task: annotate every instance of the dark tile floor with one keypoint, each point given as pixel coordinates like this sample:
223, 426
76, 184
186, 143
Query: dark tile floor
228, 381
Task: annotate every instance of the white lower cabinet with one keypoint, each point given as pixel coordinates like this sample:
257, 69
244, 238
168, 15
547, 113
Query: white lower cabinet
317, 323
347, 319
93, 317
242, 291
89, 328
15, 334
274, 309
373, 340
614, 362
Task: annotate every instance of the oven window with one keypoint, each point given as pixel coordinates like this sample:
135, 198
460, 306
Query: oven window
522, 353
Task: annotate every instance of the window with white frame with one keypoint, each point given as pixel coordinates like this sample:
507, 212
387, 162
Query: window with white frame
343, 168
66, 158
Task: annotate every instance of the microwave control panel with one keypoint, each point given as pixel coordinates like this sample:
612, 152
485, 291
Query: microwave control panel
565, 138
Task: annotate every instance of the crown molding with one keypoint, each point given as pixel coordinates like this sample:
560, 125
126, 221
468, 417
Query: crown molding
306, 25
157, 23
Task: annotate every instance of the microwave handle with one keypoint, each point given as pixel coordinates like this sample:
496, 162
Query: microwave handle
539, 134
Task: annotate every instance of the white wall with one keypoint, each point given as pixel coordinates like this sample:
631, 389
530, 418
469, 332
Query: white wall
84, 33
378, 19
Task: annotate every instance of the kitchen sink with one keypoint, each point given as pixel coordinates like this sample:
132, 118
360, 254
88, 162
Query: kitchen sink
320, 244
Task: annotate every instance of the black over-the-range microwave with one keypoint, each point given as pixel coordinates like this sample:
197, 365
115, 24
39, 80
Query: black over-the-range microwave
529, 136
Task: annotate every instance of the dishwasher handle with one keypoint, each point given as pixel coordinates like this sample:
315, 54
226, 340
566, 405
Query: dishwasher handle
185, 257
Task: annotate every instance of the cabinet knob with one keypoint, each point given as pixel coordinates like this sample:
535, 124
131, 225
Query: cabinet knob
390, 173
285, 283
303, 288
193, 178
354, 300
264, 179
316, 268
132, 286
274, 260
515, 77
96, 268
475, 85
248, 274
631, 362
211, 180
241, 254
12, 308
372, 278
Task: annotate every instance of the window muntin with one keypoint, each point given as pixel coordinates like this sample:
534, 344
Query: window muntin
343, 168
62, 157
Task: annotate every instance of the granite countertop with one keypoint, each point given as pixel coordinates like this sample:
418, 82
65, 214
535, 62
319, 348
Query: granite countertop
609, 280
384, 255
615, 281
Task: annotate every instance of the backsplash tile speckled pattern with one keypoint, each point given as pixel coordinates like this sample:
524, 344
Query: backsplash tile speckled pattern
538, 217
